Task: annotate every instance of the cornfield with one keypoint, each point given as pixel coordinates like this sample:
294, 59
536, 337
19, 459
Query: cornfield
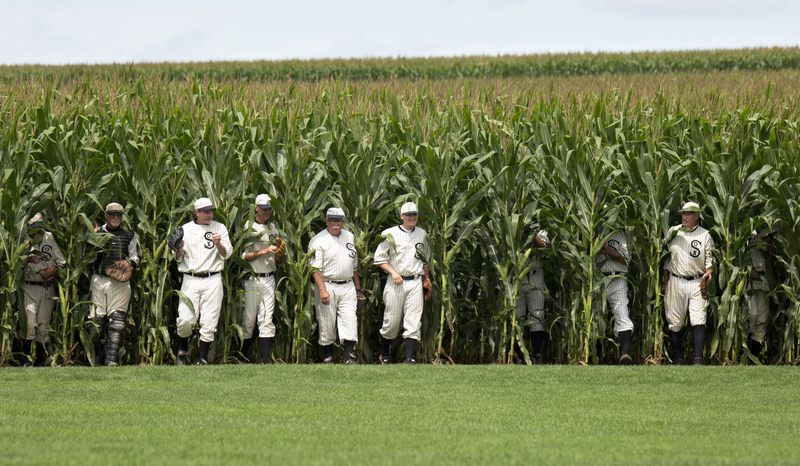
482, 158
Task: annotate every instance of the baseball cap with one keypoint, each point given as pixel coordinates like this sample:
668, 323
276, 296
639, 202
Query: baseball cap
690, 207
408, 208
263, 201
114, 208
33, 220
335, 212
203, 203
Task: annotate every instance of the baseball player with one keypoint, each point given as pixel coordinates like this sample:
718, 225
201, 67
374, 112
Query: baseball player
44, 257
688, 266
757, 288
530, 303
200, 248
259, 298
405, 262
335, 272
613, 262
111, 292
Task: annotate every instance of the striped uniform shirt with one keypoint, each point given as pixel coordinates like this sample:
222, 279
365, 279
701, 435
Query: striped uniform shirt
50, 254
690, 251
536, 258
608, 265
334, 256
410, 253
199, 252
266, 233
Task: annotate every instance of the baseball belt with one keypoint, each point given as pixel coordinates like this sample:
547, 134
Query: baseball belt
696, 277
411, 277
200, 275
339, 282
614, 274
263, 275
35, 283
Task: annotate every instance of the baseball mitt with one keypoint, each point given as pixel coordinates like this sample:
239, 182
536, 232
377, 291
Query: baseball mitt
427, 289
176, 239
704, 287
49, 275
361, 301
281, 248
120, 271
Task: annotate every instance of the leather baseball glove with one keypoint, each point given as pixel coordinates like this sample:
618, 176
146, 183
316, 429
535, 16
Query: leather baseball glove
49, 275
427, 289
176, 239
704, 287
281, 248
361, 301
120, 271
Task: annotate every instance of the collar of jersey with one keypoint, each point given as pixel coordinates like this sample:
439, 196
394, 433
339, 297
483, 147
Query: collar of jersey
403, 229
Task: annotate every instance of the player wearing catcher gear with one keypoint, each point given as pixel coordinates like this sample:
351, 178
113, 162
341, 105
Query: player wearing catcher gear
41, 273
200, 248
111, 288
335, 272
405, 262
757, 288
530, 303
686, 270
613, 262
259, 298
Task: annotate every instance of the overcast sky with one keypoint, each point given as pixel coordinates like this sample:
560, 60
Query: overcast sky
89, 31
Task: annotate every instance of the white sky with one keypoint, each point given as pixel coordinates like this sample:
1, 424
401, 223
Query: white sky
90, 31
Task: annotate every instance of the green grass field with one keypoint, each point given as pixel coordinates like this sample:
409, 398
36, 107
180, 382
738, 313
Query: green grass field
400, 415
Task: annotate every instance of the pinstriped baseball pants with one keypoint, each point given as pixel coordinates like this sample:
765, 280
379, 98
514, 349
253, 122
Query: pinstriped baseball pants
339, 315
206, 297
403, 302
39, 306
758, 314
682, 296
617, 298
259, 304
530, 302
108, 295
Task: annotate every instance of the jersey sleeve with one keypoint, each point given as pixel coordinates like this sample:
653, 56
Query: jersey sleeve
133, 250
623, 247
355, 256
382, 253
709, 248
252, 246
318, 256
58, 255
225, 241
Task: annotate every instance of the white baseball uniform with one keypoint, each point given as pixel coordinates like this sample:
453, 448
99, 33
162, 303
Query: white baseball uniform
109, 295
336, 258
38, 299
615, 282
530, 303
259, 297
201, 265
403, 302
690, 257
758, 288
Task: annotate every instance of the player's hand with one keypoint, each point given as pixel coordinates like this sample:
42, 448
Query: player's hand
96, 226
215, 238
397, 278
324, 297
34, 259
270, 249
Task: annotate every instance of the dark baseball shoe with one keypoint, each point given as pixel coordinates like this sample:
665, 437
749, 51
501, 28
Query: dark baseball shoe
181, 359
385, 359
328, 360
625, 360
537, 361
201, 362
679, 362
410, 361
27, 363
698, 362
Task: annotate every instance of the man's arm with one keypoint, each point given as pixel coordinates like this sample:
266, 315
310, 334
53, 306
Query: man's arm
396, 278
323, 292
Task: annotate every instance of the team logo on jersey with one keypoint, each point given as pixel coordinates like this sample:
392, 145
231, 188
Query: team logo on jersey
418, 253
272, 237
696, 245
352, 248
47, 250
209, 244
613, 244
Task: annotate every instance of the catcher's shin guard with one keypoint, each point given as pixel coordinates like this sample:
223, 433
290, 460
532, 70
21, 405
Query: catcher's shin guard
266, 347
116, 333
100, 323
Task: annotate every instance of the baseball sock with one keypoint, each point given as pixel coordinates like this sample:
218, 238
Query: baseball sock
184, 344
411, 347
266, 347
26, 347
625, 341
675, 337
40, 354
348, 349
755, 347
328, 351
387, 348
536, 340
598, 346
246, 346
699, 340
204, 346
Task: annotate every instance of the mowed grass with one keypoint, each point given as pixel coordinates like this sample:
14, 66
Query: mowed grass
315, 414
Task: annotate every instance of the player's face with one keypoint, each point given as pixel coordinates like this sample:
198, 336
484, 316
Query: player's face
409, 221
335, 225
204, 217
689, 219
114, 220
263, 215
